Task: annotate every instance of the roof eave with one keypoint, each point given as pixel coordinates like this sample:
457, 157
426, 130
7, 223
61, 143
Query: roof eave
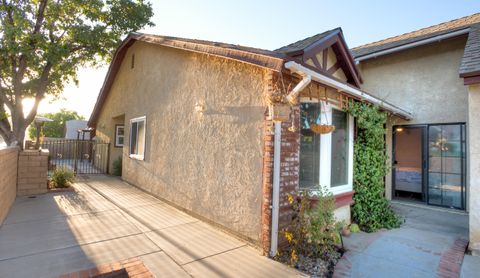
405, 46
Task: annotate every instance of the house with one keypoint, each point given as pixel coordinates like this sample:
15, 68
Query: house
73, 126
433, 72
214, 128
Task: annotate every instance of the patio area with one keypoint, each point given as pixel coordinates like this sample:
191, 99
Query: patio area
106, 220
431, 243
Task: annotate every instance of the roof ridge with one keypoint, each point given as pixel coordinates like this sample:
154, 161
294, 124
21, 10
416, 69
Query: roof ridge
415, 31
290, 45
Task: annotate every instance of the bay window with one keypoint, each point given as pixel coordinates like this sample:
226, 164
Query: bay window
326, 159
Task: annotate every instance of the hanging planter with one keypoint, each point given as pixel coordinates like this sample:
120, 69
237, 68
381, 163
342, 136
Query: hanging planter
322, 129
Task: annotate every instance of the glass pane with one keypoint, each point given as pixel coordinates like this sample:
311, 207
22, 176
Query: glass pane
339, 171
446, 169
434, 188
141, 138
309, 146
133, 139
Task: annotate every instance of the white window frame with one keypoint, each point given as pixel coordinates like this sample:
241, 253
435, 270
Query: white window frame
325, 171
136, 120
117, 144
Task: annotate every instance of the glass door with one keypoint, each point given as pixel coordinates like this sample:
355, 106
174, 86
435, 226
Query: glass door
446, 165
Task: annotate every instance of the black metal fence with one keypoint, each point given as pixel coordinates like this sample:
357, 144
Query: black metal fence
80, 156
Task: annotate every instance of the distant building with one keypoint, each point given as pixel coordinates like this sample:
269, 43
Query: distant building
72, 127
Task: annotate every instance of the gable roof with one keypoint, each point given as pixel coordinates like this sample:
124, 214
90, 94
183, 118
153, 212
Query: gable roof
444, 28
273, 60
470, 64
300, 46
304, 49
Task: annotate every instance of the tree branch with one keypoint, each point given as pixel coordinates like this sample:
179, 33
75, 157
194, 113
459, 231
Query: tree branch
22, 65
41, 89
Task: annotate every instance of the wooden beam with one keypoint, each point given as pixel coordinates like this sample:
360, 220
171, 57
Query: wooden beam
315, 61
325, 58
334, 68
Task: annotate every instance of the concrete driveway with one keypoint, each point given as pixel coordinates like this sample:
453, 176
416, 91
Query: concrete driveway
107, 220
431, 243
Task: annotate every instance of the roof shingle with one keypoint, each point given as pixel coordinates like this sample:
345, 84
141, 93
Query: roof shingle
304, 43
470, 64
424, 33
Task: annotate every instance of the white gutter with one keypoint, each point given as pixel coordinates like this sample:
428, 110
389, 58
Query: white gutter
303, 71
276, 187
413, 44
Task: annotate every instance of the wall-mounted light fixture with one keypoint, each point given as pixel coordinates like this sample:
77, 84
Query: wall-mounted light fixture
399, 129
199, 107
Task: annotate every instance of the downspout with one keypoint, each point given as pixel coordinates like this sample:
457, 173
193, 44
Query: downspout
292, 96
277, 145
276, 187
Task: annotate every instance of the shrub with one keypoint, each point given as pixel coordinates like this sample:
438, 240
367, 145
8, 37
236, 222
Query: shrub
117, 166
62, 177
371, 210
312, 232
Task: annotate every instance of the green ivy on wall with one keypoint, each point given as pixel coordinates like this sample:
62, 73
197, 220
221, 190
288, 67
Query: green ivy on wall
371, 209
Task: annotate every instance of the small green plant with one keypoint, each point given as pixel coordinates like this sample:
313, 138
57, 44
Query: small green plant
62, 177
313, 232
117, 166
354, 228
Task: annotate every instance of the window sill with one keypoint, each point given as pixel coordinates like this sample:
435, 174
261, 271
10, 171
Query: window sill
341, 199
137, 157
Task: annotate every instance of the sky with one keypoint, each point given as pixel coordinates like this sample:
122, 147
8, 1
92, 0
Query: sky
271, 24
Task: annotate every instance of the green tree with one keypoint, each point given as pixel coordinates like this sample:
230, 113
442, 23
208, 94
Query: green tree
44, 42
57, 127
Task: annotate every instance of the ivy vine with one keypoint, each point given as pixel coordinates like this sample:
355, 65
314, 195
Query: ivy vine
371, 209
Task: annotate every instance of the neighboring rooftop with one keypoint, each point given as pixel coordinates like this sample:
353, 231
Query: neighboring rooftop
422, 34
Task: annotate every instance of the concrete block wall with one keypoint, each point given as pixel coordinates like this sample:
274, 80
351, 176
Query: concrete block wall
32, 172
8, 179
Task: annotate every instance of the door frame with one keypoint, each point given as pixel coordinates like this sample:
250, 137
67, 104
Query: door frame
426, 162
424, 143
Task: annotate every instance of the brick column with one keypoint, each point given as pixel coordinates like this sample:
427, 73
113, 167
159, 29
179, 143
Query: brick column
32, 172
8, 179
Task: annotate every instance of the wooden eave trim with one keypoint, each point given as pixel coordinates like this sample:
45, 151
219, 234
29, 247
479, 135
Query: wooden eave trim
470, 74
471, 80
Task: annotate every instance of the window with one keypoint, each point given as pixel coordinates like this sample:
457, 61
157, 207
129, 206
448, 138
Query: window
326, 159
339, 174
137, 138
119, 135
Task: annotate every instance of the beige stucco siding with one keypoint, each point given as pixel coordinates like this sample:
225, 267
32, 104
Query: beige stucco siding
474, 165
209, 163
423, 80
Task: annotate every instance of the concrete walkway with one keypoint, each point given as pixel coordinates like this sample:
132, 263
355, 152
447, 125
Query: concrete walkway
431, 243
107, 220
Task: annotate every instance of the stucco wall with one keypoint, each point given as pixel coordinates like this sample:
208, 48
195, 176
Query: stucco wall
8, 180
210, 163
423, 80
474, 163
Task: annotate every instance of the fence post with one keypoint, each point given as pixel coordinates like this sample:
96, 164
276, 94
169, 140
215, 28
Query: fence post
108, 158
75, 156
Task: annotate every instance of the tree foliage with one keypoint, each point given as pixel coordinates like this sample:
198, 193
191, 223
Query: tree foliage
371, 209
57, 127
44, 42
